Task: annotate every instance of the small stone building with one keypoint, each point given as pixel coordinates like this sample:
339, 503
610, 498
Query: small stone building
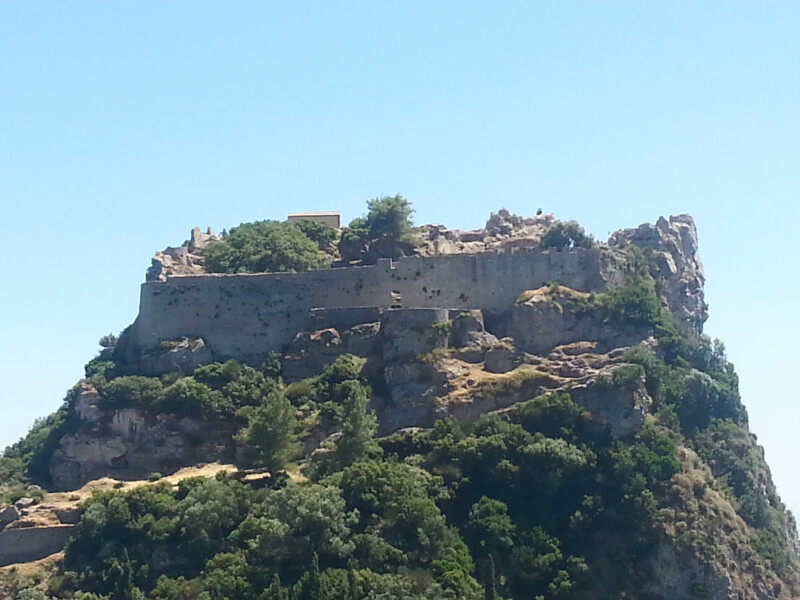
332, 218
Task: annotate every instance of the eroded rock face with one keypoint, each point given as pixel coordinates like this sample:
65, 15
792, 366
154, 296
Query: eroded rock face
312, 351
674, 245
182, 355
540, 324
129, 444
181, 260
87, 404
408, 333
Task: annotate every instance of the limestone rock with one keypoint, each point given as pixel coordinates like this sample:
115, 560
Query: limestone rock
621, 410
129, 444
674, 245
200, 240
87, 404
468, 330
540, 324
503, 231
182, 260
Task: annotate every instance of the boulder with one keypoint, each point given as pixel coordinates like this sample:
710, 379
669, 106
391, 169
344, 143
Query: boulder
68, 516
500, 359
24, 503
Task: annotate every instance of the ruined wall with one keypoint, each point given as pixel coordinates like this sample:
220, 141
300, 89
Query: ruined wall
247, 316
32, 543
494, 281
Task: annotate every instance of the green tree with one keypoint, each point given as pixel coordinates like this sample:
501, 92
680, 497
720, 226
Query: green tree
489, 528
490, 590
383, 233
227, 577
389, 222
263, 246
270, 438
358, 424
389, 216
295, 522
353, 239
321, 233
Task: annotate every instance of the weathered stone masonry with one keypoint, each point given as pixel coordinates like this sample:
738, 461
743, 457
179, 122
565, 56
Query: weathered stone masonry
247, 316
32, 543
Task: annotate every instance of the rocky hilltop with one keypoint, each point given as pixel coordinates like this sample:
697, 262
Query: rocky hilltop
516, 408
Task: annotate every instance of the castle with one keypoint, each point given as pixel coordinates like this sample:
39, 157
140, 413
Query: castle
246, 317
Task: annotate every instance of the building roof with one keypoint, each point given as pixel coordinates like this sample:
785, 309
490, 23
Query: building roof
325, 213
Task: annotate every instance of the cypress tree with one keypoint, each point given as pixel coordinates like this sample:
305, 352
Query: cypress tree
489, 590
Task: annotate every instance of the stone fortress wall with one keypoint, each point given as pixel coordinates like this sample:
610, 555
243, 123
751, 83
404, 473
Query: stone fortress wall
32, 543
247, 316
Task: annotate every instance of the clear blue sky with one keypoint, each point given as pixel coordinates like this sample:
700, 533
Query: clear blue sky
125, 123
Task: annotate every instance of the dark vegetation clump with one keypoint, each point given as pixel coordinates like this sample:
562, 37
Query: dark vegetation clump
563, 235
385, 232
265, 246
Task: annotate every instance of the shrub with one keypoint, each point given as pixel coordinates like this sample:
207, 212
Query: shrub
188, 396
635, 302
263, 246
132, 391
321, 233
563, 235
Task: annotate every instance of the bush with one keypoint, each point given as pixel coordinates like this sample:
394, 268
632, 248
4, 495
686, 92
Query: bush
190, 397
321, 233
263, 246
134, 391
563, 235
354, 237
636, 303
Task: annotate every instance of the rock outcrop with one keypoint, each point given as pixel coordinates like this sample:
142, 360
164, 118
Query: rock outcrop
677, 263
130, 444
182, 260
503, 231
543, 319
